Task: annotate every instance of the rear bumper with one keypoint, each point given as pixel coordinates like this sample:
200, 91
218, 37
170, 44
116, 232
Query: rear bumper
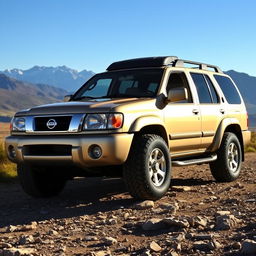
115, 149
246, 137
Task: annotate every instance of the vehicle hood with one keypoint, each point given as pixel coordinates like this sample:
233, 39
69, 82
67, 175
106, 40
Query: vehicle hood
73, 107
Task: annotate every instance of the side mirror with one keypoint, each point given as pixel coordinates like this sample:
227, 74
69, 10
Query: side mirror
67, 98
177, 94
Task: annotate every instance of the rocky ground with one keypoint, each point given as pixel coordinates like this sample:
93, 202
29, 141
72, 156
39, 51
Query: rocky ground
96, 216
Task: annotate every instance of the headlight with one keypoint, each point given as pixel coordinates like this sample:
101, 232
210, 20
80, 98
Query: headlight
95, 122
103, 121
18, 124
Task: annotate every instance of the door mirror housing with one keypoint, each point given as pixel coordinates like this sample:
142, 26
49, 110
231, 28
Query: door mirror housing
68, 97
177, 94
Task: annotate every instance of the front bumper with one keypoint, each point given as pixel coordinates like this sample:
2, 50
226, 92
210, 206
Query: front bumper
115, 149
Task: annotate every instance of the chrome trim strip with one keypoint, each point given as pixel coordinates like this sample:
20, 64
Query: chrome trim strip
29, 125
208, 134
185, 135
74, 126
76, 123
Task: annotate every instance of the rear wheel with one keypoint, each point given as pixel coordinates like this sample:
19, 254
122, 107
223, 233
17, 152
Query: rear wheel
147, 172
41, 182
228, 165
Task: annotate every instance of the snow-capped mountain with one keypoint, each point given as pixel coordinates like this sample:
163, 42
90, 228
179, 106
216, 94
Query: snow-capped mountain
62, 76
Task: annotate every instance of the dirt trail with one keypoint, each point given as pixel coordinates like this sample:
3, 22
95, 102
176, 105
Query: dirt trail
96, 216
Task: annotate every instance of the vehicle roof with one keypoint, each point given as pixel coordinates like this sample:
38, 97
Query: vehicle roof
163, 61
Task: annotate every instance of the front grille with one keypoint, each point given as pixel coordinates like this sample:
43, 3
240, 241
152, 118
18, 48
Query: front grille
47, 150
54, 123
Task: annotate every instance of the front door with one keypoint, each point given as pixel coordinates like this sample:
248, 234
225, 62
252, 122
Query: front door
183, 118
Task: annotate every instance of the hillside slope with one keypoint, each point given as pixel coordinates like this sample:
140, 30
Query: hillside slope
15, 95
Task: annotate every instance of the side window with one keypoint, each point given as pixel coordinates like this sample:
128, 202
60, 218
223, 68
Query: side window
179, 80
228, 89
202, 88
215, 97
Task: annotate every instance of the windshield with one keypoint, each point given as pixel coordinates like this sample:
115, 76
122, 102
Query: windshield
121, 84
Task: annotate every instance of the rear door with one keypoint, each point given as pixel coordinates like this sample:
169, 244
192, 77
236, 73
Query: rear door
211, 107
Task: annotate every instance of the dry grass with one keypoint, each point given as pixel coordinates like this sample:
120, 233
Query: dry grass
252, 146
4, 130
7, 169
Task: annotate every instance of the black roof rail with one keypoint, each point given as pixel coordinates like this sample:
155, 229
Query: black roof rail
159, 62
203, 66
143, 62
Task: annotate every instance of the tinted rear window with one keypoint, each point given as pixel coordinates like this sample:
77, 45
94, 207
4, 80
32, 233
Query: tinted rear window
228, 89
215, 97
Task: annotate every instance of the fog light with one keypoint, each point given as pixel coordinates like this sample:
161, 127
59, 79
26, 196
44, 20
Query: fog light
11, 152
95, 151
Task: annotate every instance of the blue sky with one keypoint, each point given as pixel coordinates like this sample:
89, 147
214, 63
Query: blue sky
90, 34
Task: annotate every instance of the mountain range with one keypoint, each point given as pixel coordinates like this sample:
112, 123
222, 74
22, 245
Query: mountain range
20, 89
61, 77
15, 95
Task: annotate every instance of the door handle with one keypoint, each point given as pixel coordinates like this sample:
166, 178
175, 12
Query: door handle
195, 111
222, 111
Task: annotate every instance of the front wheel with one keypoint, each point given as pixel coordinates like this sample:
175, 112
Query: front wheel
41, 182
227, 167
147, 172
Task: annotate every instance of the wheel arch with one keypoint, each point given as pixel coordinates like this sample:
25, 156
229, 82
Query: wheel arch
149, 125
227, 125
236, 129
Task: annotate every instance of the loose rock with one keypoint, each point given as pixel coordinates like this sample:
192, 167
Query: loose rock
249, 247
155, 246
153, 224
109, 240
144, 205
176, 222
225, 222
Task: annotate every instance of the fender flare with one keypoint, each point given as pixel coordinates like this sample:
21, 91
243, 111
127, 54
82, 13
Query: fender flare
220, 132
145, 121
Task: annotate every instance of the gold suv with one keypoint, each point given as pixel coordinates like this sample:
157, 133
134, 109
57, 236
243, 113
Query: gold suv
136, 120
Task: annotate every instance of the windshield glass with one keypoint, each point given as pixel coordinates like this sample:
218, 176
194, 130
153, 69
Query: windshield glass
122, 84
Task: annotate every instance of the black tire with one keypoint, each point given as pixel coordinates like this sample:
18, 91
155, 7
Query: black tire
138, 171
224, 169
39, 181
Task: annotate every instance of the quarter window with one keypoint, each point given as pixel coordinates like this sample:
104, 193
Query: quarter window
228, 89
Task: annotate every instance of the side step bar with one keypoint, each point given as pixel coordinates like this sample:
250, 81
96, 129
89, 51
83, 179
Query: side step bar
195, 161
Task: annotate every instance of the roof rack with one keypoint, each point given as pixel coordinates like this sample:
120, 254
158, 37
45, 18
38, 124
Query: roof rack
159, 62
203, 66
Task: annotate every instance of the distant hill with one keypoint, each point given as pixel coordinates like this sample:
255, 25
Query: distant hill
62, 77
15, 95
